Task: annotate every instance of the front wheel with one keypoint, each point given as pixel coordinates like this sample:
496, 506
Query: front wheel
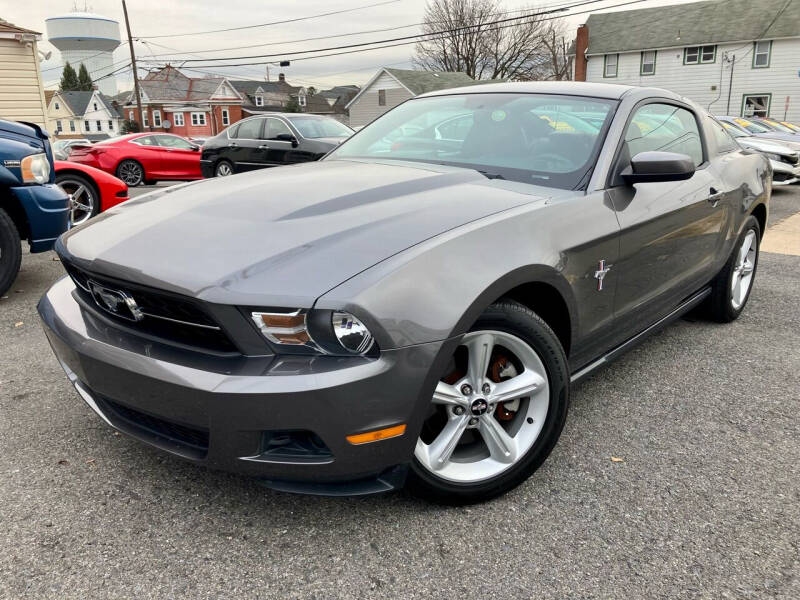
496, 413
10, 252
131, 172
731, 288
84, 199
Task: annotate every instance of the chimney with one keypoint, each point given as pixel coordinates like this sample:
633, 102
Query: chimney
281, 77
581, 44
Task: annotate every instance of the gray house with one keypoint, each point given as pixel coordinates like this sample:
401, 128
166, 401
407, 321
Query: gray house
390, 87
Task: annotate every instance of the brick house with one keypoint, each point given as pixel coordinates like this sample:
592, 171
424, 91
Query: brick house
185, 106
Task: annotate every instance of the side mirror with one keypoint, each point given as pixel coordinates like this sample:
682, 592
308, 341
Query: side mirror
650, 167
195, 148
287, 137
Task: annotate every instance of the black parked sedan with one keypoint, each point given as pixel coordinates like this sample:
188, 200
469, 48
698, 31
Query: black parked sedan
271, 140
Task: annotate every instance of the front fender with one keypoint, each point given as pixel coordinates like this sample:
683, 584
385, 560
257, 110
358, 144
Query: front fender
47, 210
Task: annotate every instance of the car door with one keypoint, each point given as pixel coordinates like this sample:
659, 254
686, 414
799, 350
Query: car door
182, 158
244, 148
277, 143
670, 231
147, 151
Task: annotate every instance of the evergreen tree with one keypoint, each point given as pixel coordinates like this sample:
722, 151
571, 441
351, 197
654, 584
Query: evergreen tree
84, 80
69, 79
292, 106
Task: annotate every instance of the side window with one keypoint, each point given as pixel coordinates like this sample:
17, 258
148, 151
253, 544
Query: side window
147, 140
249, 130
275, 127
173, 141
664, 128
725, 143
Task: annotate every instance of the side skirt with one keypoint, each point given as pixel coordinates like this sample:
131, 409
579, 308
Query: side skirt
612, 355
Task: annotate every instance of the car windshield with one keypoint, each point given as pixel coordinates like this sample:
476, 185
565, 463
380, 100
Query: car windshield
734, 131
533, 138
751, 126
59, 145
312, 128
776, 126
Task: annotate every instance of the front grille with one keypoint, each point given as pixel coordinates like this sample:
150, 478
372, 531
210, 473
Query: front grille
192, 440
167, 317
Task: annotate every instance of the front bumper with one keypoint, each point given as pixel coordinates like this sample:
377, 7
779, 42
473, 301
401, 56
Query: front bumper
207, 168
47, 209
222, 411
783, 174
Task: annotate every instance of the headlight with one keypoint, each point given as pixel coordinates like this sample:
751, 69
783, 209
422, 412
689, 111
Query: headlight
35, 168
322, 331
351, 333
772, 156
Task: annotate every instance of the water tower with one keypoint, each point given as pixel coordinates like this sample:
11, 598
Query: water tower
87, 38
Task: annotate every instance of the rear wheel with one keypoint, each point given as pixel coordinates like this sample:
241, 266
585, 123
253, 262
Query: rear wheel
497, 412
131, 172
731, 288
84, 198
10, 251
223, 169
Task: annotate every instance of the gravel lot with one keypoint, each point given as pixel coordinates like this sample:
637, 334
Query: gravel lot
705, 502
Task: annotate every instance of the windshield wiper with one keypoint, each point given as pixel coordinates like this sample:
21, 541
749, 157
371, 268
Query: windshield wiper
490, 175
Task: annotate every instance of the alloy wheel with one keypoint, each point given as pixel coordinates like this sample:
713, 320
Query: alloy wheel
488, 413
224, 169
742, 277
82, 200
131, 173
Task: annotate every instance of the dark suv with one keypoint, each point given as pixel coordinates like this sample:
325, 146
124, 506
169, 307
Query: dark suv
271, 140
32, 207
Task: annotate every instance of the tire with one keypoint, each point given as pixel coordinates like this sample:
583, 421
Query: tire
223, 169
131, 172
10, 252
85, 197
726, 304
477, 470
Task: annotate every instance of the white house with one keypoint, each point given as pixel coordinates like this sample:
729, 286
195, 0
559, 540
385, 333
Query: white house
82, 115
390, 87
735, 57
21, 90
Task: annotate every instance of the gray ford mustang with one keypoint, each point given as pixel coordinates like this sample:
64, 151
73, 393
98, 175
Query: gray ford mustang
412, 310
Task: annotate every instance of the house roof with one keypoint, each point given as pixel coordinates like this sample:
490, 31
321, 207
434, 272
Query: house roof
421, 82
48, 95
709, 22
7, 27
79, 101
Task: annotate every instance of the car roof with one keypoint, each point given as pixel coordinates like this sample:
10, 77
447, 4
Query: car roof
611, 91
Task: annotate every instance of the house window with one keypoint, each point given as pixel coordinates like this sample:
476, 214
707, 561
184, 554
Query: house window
94, 105
86, 125
59, 129
301, 99
178, 119
72, 125
145, 120
761, 54
57, 106
259, 100
99, 125
226, 117
198, 118
648, 64
111, 125
610, 62
381, 97
157, 118
130, 115
695, 55
756, 105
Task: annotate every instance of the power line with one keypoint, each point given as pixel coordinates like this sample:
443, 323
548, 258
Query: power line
327, 14
404, 43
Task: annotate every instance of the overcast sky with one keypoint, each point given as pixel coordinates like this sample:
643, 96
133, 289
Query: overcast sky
173, 17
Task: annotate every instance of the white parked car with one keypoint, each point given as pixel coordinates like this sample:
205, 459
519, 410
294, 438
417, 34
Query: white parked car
785, 160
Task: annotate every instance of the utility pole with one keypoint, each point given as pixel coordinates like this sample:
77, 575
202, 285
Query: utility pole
133, 66
730, 83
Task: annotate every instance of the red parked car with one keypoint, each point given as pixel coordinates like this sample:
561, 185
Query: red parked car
92, 190
143, 158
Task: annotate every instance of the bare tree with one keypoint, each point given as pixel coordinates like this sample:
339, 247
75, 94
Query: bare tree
483, 49
556, 48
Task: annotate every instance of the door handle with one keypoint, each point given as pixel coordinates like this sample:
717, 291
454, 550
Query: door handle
715, 196
263, 147
232, 145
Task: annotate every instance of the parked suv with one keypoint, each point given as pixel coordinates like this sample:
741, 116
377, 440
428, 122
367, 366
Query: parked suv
32, 207
271, 140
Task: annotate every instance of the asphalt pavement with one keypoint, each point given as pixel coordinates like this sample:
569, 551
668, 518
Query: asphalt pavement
676, 477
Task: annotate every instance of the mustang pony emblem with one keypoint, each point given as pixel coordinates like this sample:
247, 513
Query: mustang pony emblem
600, 274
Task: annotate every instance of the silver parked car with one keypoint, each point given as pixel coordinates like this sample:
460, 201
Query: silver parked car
62, 148
785, 161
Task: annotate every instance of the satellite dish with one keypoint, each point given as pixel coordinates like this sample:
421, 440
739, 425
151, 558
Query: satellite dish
166, 124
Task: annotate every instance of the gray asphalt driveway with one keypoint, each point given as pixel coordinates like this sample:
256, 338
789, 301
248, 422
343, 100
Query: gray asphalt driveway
676, 477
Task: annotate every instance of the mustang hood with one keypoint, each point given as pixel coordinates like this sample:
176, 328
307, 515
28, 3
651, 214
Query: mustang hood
285, 236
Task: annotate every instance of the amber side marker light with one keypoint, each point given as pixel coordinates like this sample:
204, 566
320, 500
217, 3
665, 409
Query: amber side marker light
377, 435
